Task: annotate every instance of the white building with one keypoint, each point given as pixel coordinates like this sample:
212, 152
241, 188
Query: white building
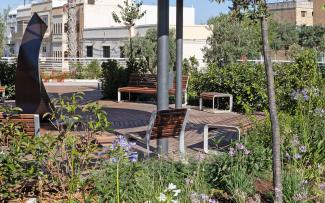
99, 36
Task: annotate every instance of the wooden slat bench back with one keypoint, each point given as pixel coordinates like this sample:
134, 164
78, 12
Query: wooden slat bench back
143, 80
29, 122
168, 123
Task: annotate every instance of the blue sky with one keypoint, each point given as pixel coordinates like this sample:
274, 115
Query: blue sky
204, 8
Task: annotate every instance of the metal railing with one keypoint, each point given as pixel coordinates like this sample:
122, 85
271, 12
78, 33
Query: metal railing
65, 64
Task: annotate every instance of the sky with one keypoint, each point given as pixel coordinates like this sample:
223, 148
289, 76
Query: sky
205, 9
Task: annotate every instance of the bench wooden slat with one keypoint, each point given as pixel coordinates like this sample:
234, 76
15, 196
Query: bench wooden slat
28, 122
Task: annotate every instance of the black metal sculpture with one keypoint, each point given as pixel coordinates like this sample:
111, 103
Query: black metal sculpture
31, 95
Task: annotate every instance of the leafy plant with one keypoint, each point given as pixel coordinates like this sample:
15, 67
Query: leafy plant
8, 78
114, 76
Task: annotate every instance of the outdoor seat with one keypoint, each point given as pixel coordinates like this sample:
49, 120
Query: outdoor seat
30, 123
2, 93
147, 84
164, 124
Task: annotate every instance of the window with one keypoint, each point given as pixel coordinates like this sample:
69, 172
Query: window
89, 51
65, 27
91, 2
44, 49
106, 51
122, 54
303, 14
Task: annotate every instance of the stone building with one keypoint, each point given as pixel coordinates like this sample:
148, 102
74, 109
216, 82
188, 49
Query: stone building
299, 12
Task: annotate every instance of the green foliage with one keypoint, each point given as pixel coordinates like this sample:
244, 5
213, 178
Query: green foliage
8, 78
246, 82
114, 76
129, 13
190, 65
147, 180
283, 35
312, 37
231, 39
145, 48
93, 70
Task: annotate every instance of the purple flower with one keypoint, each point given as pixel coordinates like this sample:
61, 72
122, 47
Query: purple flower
322, 186
133, 157
246, 151
204, 197
320, 112
231, 151
240, 146
212, 200
114, 160
302, 149
297, 156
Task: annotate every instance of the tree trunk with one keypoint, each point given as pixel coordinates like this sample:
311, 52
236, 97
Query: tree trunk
72, 29
130, 41
276, 139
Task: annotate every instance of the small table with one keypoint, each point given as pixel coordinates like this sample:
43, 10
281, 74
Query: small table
215, 95
3, 93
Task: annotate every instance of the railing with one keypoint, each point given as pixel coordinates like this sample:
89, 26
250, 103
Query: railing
65, 64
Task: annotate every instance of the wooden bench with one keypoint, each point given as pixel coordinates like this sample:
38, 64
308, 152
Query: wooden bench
30, 122
147, 84
3, 93
164, 124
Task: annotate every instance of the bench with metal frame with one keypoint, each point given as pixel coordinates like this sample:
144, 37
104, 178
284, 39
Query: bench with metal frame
208, 127
213, 96
30, 123
3, 94
147, 84
164, 124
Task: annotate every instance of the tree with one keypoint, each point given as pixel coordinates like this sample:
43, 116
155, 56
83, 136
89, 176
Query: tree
128, 15
72, 29
312, 37
3, 37
231, 39
257, 10
283, 36
145, 48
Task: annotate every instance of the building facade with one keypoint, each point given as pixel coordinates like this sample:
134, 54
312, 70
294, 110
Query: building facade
319, 12
99, 36
298, 12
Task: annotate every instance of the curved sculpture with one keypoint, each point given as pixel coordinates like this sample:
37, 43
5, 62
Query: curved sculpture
31, 95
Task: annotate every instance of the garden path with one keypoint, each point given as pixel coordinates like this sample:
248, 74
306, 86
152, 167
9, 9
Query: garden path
132, 117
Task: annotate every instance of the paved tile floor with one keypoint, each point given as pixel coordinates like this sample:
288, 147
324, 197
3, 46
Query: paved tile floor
132, 117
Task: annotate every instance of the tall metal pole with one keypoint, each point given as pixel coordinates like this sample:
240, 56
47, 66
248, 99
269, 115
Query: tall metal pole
179, 52
163, 62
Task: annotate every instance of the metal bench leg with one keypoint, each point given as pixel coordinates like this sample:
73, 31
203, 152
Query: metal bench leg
37, 125
230, 103
129, 96
118, 96
213, 105
201, 101
182, 145
3, 97
206, 139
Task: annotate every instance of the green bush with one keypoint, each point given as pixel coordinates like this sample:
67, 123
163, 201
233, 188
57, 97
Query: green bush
247, 83
93, 70
8, 78
113, 77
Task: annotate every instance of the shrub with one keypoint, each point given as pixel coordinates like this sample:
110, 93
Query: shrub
93, 70
113, 77
246, 82
8, 78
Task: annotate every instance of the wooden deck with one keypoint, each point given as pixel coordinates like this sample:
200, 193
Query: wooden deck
132, 117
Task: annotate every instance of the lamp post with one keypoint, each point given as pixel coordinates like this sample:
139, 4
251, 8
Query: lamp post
163, 62
179, 52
